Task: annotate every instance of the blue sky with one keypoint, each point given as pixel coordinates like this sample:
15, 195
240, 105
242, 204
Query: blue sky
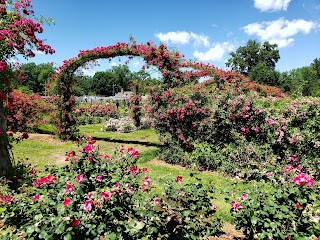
205, 30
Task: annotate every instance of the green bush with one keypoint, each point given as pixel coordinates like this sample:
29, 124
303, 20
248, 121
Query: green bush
286, 207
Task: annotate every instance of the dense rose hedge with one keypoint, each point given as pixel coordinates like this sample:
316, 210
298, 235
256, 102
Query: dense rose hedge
25, 113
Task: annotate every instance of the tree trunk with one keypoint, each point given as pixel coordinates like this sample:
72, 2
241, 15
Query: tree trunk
5, 160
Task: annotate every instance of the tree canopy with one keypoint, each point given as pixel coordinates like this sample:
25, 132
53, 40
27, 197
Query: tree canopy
119, 77
36, 77
304, 81
256, 60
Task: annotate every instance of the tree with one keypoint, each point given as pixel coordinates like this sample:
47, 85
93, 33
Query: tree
36, 77
123, 76
257, 61
84, 86
301, 81
112, 81
316, 67
261, 73
18, 36
141, 76
105, 83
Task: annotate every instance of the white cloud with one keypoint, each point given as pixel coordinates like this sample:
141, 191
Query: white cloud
183, 38
114, 64
280, 31
282, 42
136, 64
271, 5
215, 53
88, 72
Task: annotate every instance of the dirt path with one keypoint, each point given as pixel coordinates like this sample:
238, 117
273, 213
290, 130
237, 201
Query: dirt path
46, 138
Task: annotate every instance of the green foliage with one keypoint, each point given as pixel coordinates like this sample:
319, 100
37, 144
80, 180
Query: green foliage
105, 83
84, 86
287, 207
204, 157
196, 212
304, 81
261, 73
257, 61
36, 76
112, 81
173, 153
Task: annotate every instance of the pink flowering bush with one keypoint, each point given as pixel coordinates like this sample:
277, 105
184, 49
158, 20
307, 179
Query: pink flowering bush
25, 113
242, 134
97, 196
94, 113
286, 207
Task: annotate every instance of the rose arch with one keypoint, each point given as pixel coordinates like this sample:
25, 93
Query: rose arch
169, 63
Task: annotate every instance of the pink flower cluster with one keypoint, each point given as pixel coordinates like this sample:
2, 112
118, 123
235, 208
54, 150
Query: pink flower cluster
303, 179
4, 200
3, 66
45, 180
20, 33
235, 206
133, 153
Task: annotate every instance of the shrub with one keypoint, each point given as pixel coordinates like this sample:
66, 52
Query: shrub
287, 207
95, 113
98, 196
125, 124
203, 156
24, 113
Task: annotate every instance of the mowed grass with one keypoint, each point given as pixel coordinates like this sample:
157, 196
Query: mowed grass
41, 150
40, 153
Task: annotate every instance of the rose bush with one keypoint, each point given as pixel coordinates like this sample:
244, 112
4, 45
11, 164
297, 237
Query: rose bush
94, 113
286, 207
97, 196
25, 113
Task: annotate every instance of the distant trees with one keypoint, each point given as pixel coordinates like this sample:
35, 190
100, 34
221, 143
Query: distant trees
112, 81
36, 77
304, 81
119, 77
105, 83
257, 61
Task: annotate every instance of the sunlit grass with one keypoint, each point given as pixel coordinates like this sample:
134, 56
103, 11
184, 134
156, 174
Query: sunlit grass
40, 153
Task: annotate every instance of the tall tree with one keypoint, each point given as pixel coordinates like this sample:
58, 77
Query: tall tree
105, 83
36, 76
316, 67
123, 76
257, 61
18, 36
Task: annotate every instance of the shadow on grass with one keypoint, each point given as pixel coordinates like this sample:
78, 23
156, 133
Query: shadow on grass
148, 144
